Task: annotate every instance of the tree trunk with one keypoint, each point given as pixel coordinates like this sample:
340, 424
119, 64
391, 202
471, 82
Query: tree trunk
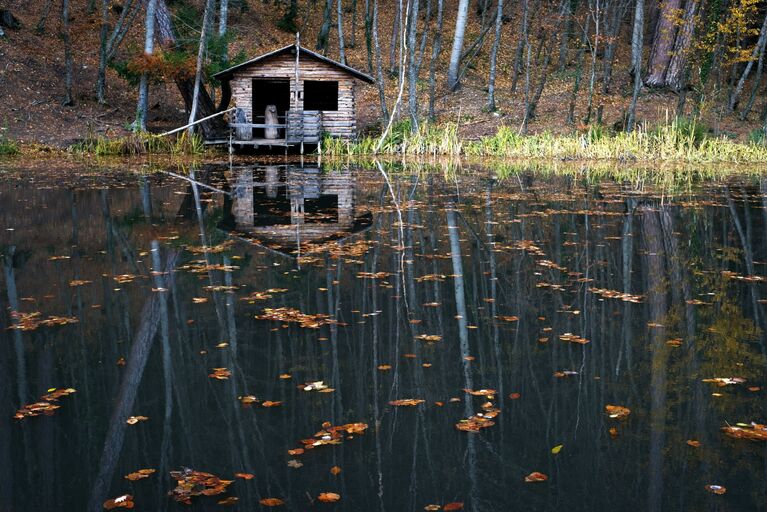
206, 21
578, 73
213, 127
68, 71
526, 38
435, 51
379, 65
595, 13
369, 35
341, 43
102, 70
353, 39
677, 68
613, 33
395, 37
143, 91
412, 67
455, 54
758, 51
663, 43
636, 61
223, 20
568, 7
494, 57
324, 33
519, 54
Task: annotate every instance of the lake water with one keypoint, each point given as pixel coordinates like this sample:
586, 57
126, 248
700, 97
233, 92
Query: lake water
156, 298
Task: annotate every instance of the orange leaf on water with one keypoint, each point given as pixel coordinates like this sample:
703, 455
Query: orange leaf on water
124, 501
455, 505
271, 502
535, 476
329, 497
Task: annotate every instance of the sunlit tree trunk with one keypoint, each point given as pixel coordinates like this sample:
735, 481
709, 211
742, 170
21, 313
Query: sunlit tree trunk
494, 57
412, 66
455, 55
341, 41
677, 66
636, 62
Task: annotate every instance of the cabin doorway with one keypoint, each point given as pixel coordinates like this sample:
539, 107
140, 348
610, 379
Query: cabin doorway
270, 92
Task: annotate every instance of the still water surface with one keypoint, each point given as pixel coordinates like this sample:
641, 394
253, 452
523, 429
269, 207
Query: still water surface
549, 296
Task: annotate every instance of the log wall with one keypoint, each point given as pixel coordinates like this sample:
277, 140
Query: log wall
341, 123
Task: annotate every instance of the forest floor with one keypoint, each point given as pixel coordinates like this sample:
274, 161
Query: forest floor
32, 81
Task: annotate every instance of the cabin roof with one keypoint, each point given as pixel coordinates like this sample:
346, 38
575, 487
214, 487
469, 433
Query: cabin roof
227, 73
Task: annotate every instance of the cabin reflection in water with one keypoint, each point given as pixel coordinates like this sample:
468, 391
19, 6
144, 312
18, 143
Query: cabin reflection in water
292, 209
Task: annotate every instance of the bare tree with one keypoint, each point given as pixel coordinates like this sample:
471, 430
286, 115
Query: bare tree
379, 65
455, 54
756, 54
663, 43
494, 57
636, 61
206, 21
412, 68
68, 71
143, 90
436, 49
341, 43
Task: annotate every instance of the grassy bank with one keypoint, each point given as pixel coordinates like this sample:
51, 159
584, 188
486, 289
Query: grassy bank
139, 144
679, 140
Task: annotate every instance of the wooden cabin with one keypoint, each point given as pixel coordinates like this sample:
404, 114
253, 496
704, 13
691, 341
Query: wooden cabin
290, 97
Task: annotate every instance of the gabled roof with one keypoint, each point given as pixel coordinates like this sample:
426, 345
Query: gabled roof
225, 74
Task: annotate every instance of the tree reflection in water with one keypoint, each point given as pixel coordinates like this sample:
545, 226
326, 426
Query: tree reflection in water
454, 258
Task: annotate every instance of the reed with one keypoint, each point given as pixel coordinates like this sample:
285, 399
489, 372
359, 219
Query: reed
677, 140
139, 144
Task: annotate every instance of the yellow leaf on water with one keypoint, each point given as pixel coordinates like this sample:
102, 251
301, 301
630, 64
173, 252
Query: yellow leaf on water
557, 449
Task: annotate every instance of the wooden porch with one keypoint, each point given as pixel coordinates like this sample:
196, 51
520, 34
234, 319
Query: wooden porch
295, 128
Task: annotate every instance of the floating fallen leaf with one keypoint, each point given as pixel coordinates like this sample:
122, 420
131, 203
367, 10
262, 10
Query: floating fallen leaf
135, 419
726, 381
716, 489
557, 449
572, 338
474, 423
290, 315
617, 412
231, 500
693, 443
455, 505
514, 396
405, 402
674, 342
245, 476
199, 300
318, 385
335, 470
121, 361
432, 507
124, 501
78, 282
269, 403
384, 367
268, 294
31, 321
271, 502
535, 476
247, 400
220, 373
430, 338
330, 435
139, 475
296, 451
223, 344
481, 392
293, 463
45, 406
507, 318
285, 376
192, 483
752, 432
613, 432
329, 497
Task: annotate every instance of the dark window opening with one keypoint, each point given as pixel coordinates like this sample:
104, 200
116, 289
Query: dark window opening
269, 92
320, 95
321, 210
